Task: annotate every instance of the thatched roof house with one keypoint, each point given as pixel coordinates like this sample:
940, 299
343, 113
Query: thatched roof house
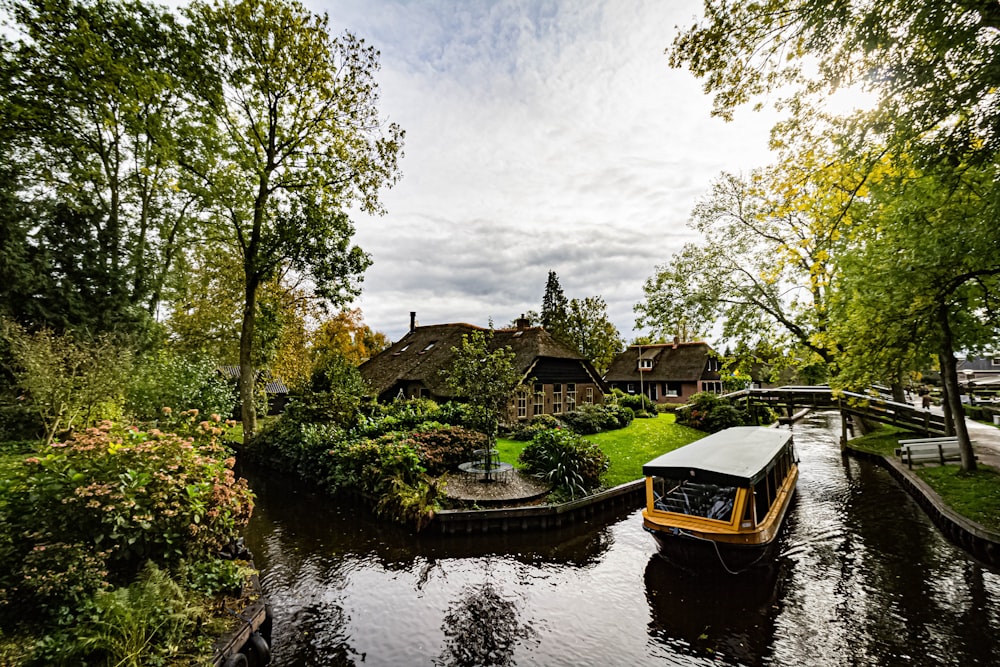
666, 372
411, 367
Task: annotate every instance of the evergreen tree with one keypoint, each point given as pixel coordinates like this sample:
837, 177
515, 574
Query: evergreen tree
554, 307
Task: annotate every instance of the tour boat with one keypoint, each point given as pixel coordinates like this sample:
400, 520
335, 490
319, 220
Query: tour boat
722, 499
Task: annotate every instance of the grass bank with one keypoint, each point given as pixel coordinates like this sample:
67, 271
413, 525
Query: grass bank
628, 448
975, 495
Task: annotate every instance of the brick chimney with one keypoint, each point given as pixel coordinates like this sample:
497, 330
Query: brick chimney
413, 320
521, 323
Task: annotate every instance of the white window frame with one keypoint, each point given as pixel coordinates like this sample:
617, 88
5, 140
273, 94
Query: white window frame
557, 399
570, 396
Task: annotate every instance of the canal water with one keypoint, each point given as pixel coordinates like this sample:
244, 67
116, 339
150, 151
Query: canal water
863, 578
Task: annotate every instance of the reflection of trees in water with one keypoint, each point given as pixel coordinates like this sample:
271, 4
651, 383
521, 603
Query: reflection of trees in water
313, 634
482, 628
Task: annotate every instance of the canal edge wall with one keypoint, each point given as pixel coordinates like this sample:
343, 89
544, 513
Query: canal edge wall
980, 542
249, 641
631, 495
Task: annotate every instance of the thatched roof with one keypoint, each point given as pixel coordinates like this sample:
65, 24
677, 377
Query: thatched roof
683, 362
272, 385
425, 351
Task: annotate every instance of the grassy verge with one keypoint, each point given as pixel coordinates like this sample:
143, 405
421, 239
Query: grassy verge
628, 448
974, 495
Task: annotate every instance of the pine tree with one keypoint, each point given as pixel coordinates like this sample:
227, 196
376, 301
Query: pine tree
554, 307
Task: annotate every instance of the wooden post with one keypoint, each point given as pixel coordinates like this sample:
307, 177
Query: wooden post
843, 425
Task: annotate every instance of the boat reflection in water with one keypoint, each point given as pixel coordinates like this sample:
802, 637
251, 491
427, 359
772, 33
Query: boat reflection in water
722, 500
730, 619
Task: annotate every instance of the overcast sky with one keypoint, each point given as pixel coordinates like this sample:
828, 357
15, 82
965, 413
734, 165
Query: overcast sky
540, 135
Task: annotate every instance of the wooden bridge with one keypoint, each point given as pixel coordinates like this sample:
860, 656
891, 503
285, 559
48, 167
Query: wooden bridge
787, 401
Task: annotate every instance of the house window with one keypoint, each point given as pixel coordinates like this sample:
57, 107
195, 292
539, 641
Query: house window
995, 361
713, 364
645, 364
522, 404
429, 346
557, 399
631, 388
590, 395
539, 399
570, 397
713, 387
672, 390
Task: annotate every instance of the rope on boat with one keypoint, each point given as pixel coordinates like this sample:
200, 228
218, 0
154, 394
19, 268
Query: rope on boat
718, 553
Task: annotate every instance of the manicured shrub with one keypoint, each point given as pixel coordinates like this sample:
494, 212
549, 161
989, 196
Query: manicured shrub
572, 464
443, 448
534, 426
637, 402
710, 413
588, 419
89, 512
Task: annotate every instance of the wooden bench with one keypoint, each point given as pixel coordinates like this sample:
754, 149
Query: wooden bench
923, 450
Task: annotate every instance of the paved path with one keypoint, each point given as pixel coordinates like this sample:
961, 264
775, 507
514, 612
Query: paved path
987, 442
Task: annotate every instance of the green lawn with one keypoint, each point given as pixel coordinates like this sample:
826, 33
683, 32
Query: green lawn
628, 448
975, 495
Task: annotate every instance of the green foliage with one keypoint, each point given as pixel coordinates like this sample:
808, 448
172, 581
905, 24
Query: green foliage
710, 413
92, 510
486, 379
152, 621
588, 419
296, 140
68, 380
534, 426
180, 382
590, 331
297, 447
443, 448
366, 466
570, 463
635, 402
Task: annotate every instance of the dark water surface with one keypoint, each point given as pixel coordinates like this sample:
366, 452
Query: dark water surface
863, 578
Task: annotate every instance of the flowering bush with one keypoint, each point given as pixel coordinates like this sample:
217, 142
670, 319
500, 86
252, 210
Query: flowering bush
92, 510
443, 448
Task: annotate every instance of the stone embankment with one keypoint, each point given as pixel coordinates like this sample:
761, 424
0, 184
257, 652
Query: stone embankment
982, 543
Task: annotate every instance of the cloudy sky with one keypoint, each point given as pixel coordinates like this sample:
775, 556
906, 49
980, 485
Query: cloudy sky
540, 135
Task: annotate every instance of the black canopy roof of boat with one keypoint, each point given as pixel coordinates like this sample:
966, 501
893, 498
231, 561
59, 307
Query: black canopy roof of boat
738, 456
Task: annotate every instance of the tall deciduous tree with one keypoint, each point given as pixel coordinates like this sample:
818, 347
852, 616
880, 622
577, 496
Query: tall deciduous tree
590, 331
933, 65
767, 256
290, 138
926, 278
90, 98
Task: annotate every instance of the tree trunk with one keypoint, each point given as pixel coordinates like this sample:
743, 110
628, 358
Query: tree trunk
248, 412
949, 378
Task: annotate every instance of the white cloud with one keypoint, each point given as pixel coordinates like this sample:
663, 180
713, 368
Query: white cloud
540, 135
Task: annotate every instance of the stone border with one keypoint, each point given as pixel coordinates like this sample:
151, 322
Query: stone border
538, 517
981, 543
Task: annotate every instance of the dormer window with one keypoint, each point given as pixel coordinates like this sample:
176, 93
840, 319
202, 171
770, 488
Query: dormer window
400, 350
645, 364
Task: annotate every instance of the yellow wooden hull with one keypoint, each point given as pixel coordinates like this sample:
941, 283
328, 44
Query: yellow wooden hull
737, 543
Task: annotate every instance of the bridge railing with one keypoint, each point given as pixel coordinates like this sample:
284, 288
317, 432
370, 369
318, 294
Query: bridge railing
877, 408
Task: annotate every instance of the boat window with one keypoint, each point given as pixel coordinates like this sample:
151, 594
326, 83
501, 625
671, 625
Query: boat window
694, 499
761, 503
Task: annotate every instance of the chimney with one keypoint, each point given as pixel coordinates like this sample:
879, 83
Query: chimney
413, 320
521, 323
